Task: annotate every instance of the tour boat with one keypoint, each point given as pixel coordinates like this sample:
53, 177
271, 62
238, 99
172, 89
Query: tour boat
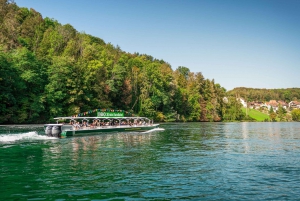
80, 126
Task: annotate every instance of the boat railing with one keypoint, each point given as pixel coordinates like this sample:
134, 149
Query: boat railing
109, 126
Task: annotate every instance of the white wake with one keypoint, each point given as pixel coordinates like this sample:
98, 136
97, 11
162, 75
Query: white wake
23, 136
154, 129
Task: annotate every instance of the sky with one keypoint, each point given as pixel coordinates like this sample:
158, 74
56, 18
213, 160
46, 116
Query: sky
238, 43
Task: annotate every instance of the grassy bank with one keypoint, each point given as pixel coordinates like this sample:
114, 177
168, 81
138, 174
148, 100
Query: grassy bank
255, 114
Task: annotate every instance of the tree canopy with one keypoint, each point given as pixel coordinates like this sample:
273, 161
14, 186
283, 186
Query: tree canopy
48, 69
252, 94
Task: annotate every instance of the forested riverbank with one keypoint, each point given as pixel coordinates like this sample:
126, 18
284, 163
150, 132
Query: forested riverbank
48, 69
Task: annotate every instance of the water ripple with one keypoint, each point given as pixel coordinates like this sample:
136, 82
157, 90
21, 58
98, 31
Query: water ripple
186, 161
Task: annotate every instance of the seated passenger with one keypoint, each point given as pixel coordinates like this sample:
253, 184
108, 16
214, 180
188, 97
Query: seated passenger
84, 124
76, 125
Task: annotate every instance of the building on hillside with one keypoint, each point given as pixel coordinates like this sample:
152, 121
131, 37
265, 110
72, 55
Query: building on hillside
283, 104
263, 105
294, 105
242, 101
256, 105
272, 103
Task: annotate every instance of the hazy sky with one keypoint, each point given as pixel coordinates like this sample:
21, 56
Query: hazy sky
249, 43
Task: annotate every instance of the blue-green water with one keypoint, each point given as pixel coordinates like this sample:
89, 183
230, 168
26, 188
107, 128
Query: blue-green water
186, 161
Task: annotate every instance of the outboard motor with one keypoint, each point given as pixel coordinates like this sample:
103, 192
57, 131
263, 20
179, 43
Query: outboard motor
56, 131
48, 131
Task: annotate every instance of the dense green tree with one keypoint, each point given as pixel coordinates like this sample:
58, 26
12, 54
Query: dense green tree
181, 93
194, 97
281, 113
272, 114
63, 89
9, 25
232, 110
10, 86
34, 78
296, 114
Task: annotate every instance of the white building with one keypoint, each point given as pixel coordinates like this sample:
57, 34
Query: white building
242, 101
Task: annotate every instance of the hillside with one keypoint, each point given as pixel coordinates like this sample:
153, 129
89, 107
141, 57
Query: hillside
48, 69
252, 94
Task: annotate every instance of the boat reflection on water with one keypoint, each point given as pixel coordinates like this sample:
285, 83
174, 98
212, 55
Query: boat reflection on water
114, 140
98, 145
105, 147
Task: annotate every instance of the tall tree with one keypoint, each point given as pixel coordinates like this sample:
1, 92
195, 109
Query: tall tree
296, 114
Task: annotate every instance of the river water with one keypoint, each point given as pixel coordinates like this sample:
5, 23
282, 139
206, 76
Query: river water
186, 161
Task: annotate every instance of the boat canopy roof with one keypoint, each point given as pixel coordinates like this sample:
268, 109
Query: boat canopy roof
117, 118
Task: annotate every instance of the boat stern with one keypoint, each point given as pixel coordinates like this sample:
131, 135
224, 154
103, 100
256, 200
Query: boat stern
54, 130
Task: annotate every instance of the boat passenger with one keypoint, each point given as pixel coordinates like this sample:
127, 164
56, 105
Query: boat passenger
85, 124
92, 125
76, 125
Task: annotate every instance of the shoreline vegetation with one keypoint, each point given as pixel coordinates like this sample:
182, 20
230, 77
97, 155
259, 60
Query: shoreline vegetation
48, 69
